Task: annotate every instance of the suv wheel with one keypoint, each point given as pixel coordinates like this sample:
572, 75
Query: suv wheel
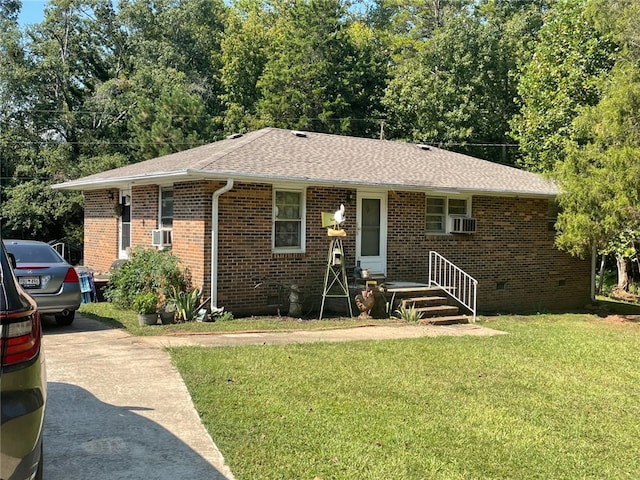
64, 320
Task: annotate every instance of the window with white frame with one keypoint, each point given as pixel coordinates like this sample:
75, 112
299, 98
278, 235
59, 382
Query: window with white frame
166, 208
439, 209
288, 220
436, 218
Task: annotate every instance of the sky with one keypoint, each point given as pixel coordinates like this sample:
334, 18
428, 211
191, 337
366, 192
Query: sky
32, 12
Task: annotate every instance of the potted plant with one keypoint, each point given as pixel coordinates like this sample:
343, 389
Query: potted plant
146, 305
166, 309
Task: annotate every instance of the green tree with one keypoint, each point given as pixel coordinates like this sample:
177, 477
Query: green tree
182, 36
168, 116
453, 84
244, 55
601, 172
319, 75
600, 177
47, 73
90, 89
563, 73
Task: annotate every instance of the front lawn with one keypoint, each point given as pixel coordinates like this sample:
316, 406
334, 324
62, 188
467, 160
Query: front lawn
557, 398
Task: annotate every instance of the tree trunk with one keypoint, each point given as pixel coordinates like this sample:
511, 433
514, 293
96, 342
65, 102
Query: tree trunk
603, 258
623, 274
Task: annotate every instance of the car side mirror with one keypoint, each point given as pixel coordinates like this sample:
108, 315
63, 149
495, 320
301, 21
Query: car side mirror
12, 259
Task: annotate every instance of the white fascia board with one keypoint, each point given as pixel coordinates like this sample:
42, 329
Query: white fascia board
112, 182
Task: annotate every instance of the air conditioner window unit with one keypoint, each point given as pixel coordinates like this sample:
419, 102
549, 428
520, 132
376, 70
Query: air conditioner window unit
463, 225
161, 237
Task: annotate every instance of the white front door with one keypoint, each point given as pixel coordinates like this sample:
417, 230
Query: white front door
371, 233
124, 225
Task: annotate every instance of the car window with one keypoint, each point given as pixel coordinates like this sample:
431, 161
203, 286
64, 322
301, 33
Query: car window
4, 270
33, 253
9, 299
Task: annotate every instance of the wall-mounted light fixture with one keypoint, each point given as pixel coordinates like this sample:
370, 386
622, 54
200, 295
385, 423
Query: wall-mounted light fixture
351, 196
110, 195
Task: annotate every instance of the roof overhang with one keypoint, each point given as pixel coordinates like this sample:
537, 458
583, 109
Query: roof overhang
88, 184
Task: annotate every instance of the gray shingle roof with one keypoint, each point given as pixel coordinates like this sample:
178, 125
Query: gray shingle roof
272, 154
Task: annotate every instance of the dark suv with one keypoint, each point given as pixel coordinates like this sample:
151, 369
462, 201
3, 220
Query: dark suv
22, 379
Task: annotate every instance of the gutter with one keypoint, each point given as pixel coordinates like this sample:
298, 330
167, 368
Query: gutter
214, 241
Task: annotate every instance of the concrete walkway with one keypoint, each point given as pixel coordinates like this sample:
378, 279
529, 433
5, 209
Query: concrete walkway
378, 332
118, 409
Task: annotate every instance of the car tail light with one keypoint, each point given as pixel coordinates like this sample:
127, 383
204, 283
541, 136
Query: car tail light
71, 276
20, 338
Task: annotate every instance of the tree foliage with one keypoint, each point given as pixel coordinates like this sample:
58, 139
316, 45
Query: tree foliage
452, 83
563, 73
601, 173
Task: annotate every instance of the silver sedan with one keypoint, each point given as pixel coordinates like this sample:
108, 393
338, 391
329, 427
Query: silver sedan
47, 277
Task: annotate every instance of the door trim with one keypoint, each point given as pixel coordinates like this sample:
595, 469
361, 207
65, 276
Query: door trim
376, 264
123, 253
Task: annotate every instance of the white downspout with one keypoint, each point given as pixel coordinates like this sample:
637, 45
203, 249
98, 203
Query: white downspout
214, 241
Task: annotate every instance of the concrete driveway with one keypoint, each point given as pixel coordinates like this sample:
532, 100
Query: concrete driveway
117, 409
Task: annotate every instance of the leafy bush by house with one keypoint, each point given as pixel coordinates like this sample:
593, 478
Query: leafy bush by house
147, 270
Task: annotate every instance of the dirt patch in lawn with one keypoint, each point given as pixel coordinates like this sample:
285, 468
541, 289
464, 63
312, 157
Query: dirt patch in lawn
622, 318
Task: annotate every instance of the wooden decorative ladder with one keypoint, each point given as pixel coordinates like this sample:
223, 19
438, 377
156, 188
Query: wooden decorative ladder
336, 284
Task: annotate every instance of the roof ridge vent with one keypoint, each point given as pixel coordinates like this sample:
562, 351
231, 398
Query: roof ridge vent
422, 146
233, 136
298, 133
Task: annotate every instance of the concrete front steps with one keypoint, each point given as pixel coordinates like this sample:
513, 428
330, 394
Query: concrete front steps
434, 305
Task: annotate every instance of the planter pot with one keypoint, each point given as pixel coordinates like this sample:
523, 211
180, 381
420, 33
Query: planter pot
147, 318
167, 317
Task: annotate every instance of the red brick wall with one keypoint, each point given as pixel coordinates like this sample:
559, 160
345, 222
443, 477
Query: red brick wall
512, 254
512, 247
192, 230
100, 229
250, 275
144, 214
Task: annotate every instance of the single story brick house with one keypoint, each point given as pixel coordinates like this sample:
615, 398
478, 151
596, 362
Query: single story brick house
244, 215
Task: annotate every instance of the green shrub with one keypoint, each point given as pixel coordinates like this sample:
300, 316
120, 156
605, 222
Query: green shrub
145, 302
147, 270
221, 316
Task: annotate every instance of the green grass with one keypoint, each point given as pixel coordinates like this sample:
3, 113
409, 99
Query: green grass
116, 318
557, 398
